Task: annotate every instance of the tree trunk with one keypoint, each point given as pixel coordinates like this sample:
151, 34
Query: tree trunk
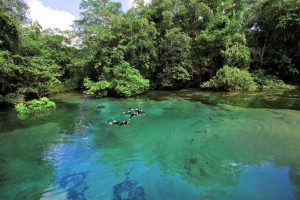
263, 51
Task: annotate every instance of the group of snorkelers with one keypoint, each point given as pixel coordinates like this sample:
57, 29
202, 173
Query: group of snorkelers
131, 112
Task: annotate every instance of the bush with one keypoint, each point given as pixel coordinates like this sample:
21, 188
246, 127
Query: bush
231, 79
128, 81
267, 81
122, 79
35, 106
96, 88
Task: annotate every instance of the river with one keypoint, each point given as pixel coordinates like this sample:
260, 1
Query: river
188, 145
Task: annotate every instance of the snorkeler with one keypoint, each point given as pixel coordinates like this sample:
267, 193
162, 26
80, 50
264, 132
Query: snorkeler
129, 111
120, 123
99, 106
139, 111
134, 112
123, 123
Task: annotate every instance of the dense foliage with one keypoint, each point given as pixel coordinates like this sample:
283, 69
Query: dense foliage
174, 44
179, 44
231, 79
122, 80
33, 62
266, 81
35, 106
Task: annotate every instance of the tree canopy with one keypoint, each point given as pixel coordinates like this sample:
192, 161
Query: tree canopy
164, 44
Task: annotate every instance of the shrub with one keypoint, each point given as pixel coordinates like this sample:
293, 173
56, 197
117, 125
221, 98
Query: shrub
128, 81
122, 79
267, 81
96, 88
35, 106
231, 79
22, 108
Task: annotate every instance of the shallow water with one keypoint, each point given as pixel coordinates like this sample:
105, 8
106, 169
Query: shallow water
188, 145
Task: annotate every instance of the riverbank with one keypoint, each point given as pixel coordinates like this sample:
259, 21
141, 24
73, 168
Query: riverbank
285, 99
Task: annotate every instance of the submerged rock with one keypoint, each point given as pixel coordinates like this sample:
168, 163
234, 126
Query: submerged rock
75, 185
128, 190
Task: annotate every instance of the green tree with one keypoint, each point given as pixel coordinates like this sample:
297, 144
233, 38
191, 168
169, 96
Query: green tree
237, 55
41, 65
175, 61
12, 15
174, 44
140, 44
121, 80
47, 62
223, 42
274, 38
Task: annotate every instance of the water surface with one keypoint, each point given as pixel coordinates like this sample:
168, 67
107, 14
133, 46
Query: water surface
189, 145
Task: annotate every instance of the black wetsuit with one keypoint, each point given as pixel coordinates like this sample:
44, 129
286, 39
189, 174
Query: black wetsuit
123, 123
100, 106
120, 123
134, 112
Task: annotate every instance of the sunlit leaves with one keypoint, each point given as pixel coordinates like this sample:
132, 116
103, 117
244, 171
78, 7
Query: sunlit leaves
122, 80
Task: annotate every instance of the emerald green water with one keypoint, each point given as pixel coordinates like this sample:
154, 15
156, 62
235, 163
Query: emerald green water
189, 145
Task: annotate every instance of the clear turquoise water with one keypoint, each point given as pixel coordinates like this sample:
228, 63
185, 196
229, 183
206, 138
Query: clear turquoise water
189, 145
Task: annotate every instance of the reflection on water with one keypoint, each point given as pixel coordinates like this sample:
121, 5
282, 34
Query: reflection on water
195, 146
24, 172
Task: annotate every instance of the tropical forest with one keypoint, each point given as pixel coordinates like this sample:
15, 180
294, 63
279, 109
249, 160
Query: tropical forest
150, 100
